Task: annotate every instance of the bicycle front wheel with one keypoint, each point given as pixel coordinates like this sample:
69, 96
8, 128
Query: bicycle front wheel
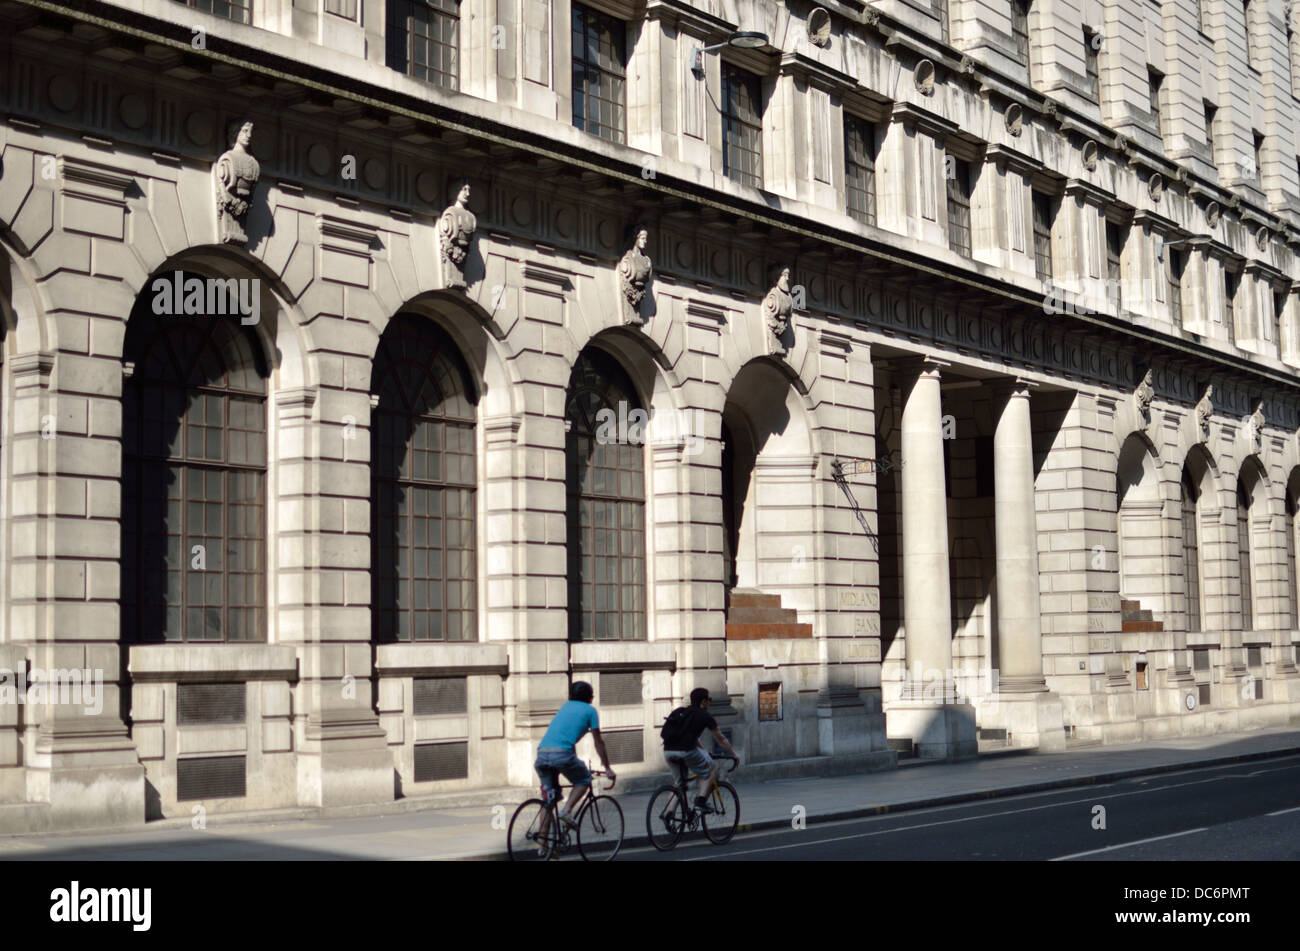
600, 829
665, 818
532, 833
720, 825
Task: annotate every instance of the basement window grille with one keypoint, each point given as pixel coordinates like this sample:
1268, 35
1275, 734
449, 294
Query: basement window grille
625, 746
434, 696
210, 704
622, 689
211, 777
435, 762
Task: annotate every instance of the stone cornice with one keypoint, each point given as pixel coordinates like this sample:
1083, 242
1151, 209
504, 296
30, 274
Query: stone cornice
936, 125
825, 77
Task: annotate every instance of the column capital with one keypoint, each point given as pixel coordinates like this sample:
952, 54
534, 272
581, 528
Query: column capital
918, 365
1010, 386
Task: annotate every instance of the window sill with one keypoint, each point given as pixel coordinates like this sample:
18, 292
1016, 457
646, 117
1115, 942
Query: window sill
432, 659
212, 662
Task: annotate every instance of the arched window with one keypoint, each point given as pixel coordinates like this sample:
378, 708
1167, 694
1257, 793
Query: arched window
605, 485
194, 480
422, 488
1243, 556
1188, 496
1293, 598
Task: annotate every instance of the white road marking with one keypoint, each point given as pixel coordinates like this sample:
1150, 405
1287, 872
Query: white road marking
1282, 812
1128, 845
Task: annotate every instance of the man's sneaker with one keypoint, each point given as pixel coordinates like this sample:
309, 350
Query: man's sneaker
702, 806
564, 817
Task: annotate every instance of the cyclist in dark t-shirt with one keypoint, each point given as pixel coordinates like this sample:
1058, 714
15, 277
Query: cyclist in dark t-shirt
684, 745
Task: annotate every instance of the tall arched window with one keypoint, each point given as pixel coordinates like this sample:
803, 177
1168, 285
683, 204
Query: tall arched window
605, 486
422, 489
1243, 557
1188, 496
1293, 597
194, 480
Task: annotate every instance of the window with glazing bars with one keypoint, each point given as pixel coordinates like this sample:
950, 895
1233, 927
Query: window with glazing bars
1044, 212
1210, 113
599, 74
1091, 64
1248, 15
860, 168
1175, 264
1258, 139
1115, 235
342, 8
945, 31
1230, 282
423, 568
1293, 582
1191, 561
1154, 81
605, 493
424, 40
194, 481
1243, 557
959, 188
241, 11
742, 126
1020, 29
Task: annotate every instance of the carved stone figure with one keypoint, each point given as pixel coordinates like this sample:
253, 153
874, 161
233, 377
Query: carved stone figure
1203, 410
1142, 398
1256, 423
455, 231
235, 177
778, 305
633, 277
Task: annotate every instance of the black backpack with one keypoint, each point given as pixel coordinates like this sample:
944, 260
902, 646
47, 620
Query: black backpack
675, 727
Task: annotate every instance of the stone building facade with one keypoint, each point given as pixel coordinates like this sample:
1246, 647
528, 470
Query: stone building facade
919, 374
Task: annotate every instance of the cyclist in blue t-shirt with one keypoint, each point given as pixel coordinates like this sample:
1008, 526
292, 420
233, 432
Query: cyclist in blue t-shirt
555, 753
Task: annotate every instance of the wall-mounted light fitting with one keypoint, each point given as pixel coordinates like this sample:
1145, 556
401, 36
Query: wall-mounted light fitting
744, 40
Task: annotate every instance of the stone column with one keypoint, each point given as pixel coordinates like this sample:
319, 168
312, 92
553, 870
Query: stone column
927, 712
1022, 705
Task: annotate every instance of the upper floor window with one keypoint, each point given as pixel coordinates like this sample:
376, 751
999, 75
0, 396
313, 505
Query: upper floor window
1115, 235
1210, 113
1258, 141
959, 192
1243, 556
424, 40
342, 8
194, 480
1230, 282
599, 74
241, 11
742, 126
1248, 13
1044, 213
1188, 497
1155, 80
860, 168
1202, 20
1020, 29
1175, 264
1092, 68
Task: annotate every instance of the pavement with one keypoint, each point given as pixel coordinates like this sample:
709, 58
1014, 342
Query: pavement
403, 831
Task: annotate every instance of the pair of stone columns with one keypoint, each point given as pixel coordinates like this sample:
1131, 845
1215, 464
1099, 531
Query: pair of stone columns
941, 725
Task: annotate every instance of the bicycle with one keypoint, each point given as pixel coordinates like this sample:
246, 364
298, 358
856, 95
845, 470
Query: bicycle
670, 814
537, 834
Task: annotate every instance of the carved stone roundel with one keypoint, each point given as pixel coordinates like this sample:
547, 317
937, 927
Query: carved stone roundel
318, 159
923, 76
133, 111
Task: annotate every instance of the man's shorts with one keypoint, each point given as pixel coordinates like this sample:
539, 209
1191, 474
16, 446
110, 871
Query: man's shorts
551, 762
696, 760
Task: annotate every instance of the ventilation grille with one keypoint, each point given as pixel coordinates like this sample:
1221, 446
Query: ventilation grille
432, 696
1200, 660
1258, 684
198, 704
1254, 657
1203, 694
211, 777
621, 689
438, 761
625, 746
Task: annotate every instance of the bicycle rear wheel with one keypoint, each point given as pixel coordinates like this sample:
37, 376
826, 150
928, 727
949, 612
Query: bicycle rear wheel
600, 829
720, 825
665, 818
526, 840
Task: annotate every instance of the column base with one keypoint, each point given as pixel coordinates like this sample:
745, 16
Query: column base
345, 761
937, 731
845, 726
1031, 720
89, 772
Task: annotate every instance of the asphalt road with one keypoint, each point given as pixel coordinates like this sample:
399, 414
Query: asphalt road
1247, 811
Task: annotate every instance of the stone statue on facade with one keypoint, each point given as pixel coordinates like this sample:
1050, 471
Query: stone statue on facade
633, 277
778, 305
1142, 398
455, 231
1255, 427
235, 177
1203, 411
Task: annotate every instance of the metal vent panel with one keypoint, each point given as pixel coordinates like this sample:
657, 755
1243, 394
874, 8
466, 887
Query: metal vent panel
625, 746
433, 696
1203, 695
200, 704
1200, 660
620, 689
211, 777
1254, 657
439, 761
